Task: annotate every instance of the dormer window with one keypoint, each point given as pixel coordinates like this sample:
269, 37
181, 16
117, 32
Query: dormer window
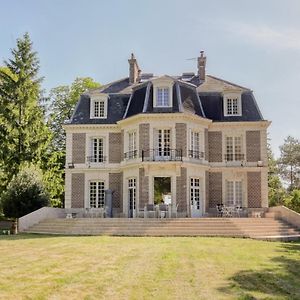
163, 99
232, 105
99, 108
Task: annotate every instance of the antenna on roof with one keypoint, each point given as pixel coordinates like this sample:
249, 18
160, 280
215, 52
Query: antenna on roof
193, 58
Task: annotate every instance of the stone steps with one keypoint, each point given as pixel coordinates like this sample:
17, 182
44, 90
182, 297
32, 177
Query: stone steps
261, 228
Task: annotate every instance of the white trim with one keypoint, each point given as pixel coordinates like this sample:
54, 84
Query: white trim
99, 98
166, 83
232, 96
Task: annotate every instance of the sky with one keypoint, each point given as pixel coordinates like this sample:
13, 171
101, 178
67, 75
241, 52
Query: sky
254, 43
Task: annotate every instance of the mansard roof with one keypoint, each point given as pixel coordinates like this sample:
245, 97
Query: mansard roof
190, 95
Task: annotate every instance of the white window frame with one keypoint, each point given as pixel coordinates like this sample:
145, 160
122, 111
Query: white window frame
99, 198
132, 144
195, 191
162, 142
236, 185
101, 99
234, 148
163, 83
163, 90
196, 147
230, 97
97, 161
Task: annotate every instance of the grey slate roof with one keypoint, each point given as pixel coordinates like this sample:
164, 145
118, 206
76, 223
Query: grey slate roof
125, 100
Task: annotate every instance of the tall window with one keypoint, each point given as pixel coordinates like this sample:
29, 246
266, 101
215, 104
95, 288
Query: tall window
132, 152
97, 194
162, 99
163, 142
234, 148
97, 150
234, 193
195, 151
195, 192
132, 195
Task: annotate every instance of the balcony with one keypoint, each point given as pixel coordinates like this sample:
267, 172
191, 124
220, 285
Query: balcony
96, 159
130, 155
162, 155
196, 154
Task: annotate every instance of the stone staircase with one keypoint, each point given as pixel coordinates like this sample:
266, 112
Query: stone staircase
267, 228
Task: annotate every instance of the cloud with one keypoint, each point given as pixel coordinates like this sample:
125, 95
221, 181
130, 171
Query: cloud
286, 38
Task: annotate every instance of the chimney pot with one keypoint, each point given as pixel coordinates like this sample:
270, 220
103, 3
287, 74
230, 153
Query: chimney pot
134, 70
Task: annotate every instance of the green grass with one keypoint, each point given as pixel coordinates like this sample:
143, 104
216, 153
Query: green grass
45, 267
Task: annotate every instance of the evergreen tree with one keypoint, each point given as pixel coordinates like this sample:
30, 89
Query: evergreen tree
24, 135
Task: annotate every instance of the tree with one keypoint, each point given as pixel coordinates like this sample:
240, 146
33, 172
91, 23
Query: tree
25, 193
293, 200
277, 193
63, 100
24, 135
290, 161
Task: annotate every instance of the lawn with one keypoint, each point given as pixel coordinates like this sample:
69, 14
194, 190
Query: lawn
46, 267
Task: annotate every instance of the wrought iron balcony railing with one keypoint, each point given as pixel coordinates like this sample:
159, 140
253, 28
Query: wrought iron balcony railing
96, 159
130, 155
164, 154
196, 154
234, 157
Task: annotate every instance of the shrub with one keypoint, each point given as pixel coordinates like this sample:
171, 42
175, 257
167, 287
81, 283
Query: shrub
293, 201
25, 193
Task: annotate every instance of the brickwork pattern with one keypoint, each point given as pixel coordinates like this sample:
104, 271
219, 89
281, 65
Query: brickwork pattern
215, 189
77, 197
215, 146
206, 204
253, 146
143, 188
144, 137
206, 150
254, 189
181, 191
181, 138
78, 148
116, 185
115, 147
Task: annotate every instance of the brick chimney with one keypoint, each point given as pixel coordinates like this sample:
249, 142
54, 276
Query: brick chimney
134, 70
201, 65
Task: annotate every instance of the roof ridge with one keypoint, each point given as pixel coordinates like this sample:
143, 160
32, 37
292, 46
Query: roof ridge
228, 82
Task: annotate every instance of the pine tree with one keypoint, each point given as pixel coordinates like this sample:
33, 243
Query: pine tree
24, 135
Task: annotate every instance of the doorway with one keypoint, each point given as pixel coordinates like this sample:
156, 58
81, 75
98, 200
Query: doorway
162, 190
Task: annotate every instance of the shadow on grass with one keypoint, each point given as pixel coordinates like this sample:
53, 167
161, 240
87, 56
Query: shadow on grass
282, 281
26, 236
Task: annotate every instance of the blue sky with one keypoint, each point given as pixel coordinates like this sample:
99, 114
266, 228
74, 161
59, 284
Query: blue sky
252, 43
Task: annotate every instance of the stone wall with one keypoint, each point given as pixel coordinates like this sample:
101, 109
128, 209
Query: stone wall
215, 146
77, 200
181, 138
254, 189
181, 183
215, 189
253, 147
116, 185
143, 188
78, 148
144, 138
115, 147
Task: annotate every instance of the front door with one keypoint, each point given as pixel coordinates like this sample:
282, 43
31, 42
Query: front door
132, 197
195, 198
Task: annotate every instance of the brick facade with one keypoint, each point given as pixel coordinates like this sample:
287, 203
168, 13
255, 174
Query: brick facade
143, 188
206, 204
254, 189
215, 189
181, 138
215, 146
115, 147
78, 148
144, 138
181, 195
206, 150
77, 196
116, 185
253, 147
